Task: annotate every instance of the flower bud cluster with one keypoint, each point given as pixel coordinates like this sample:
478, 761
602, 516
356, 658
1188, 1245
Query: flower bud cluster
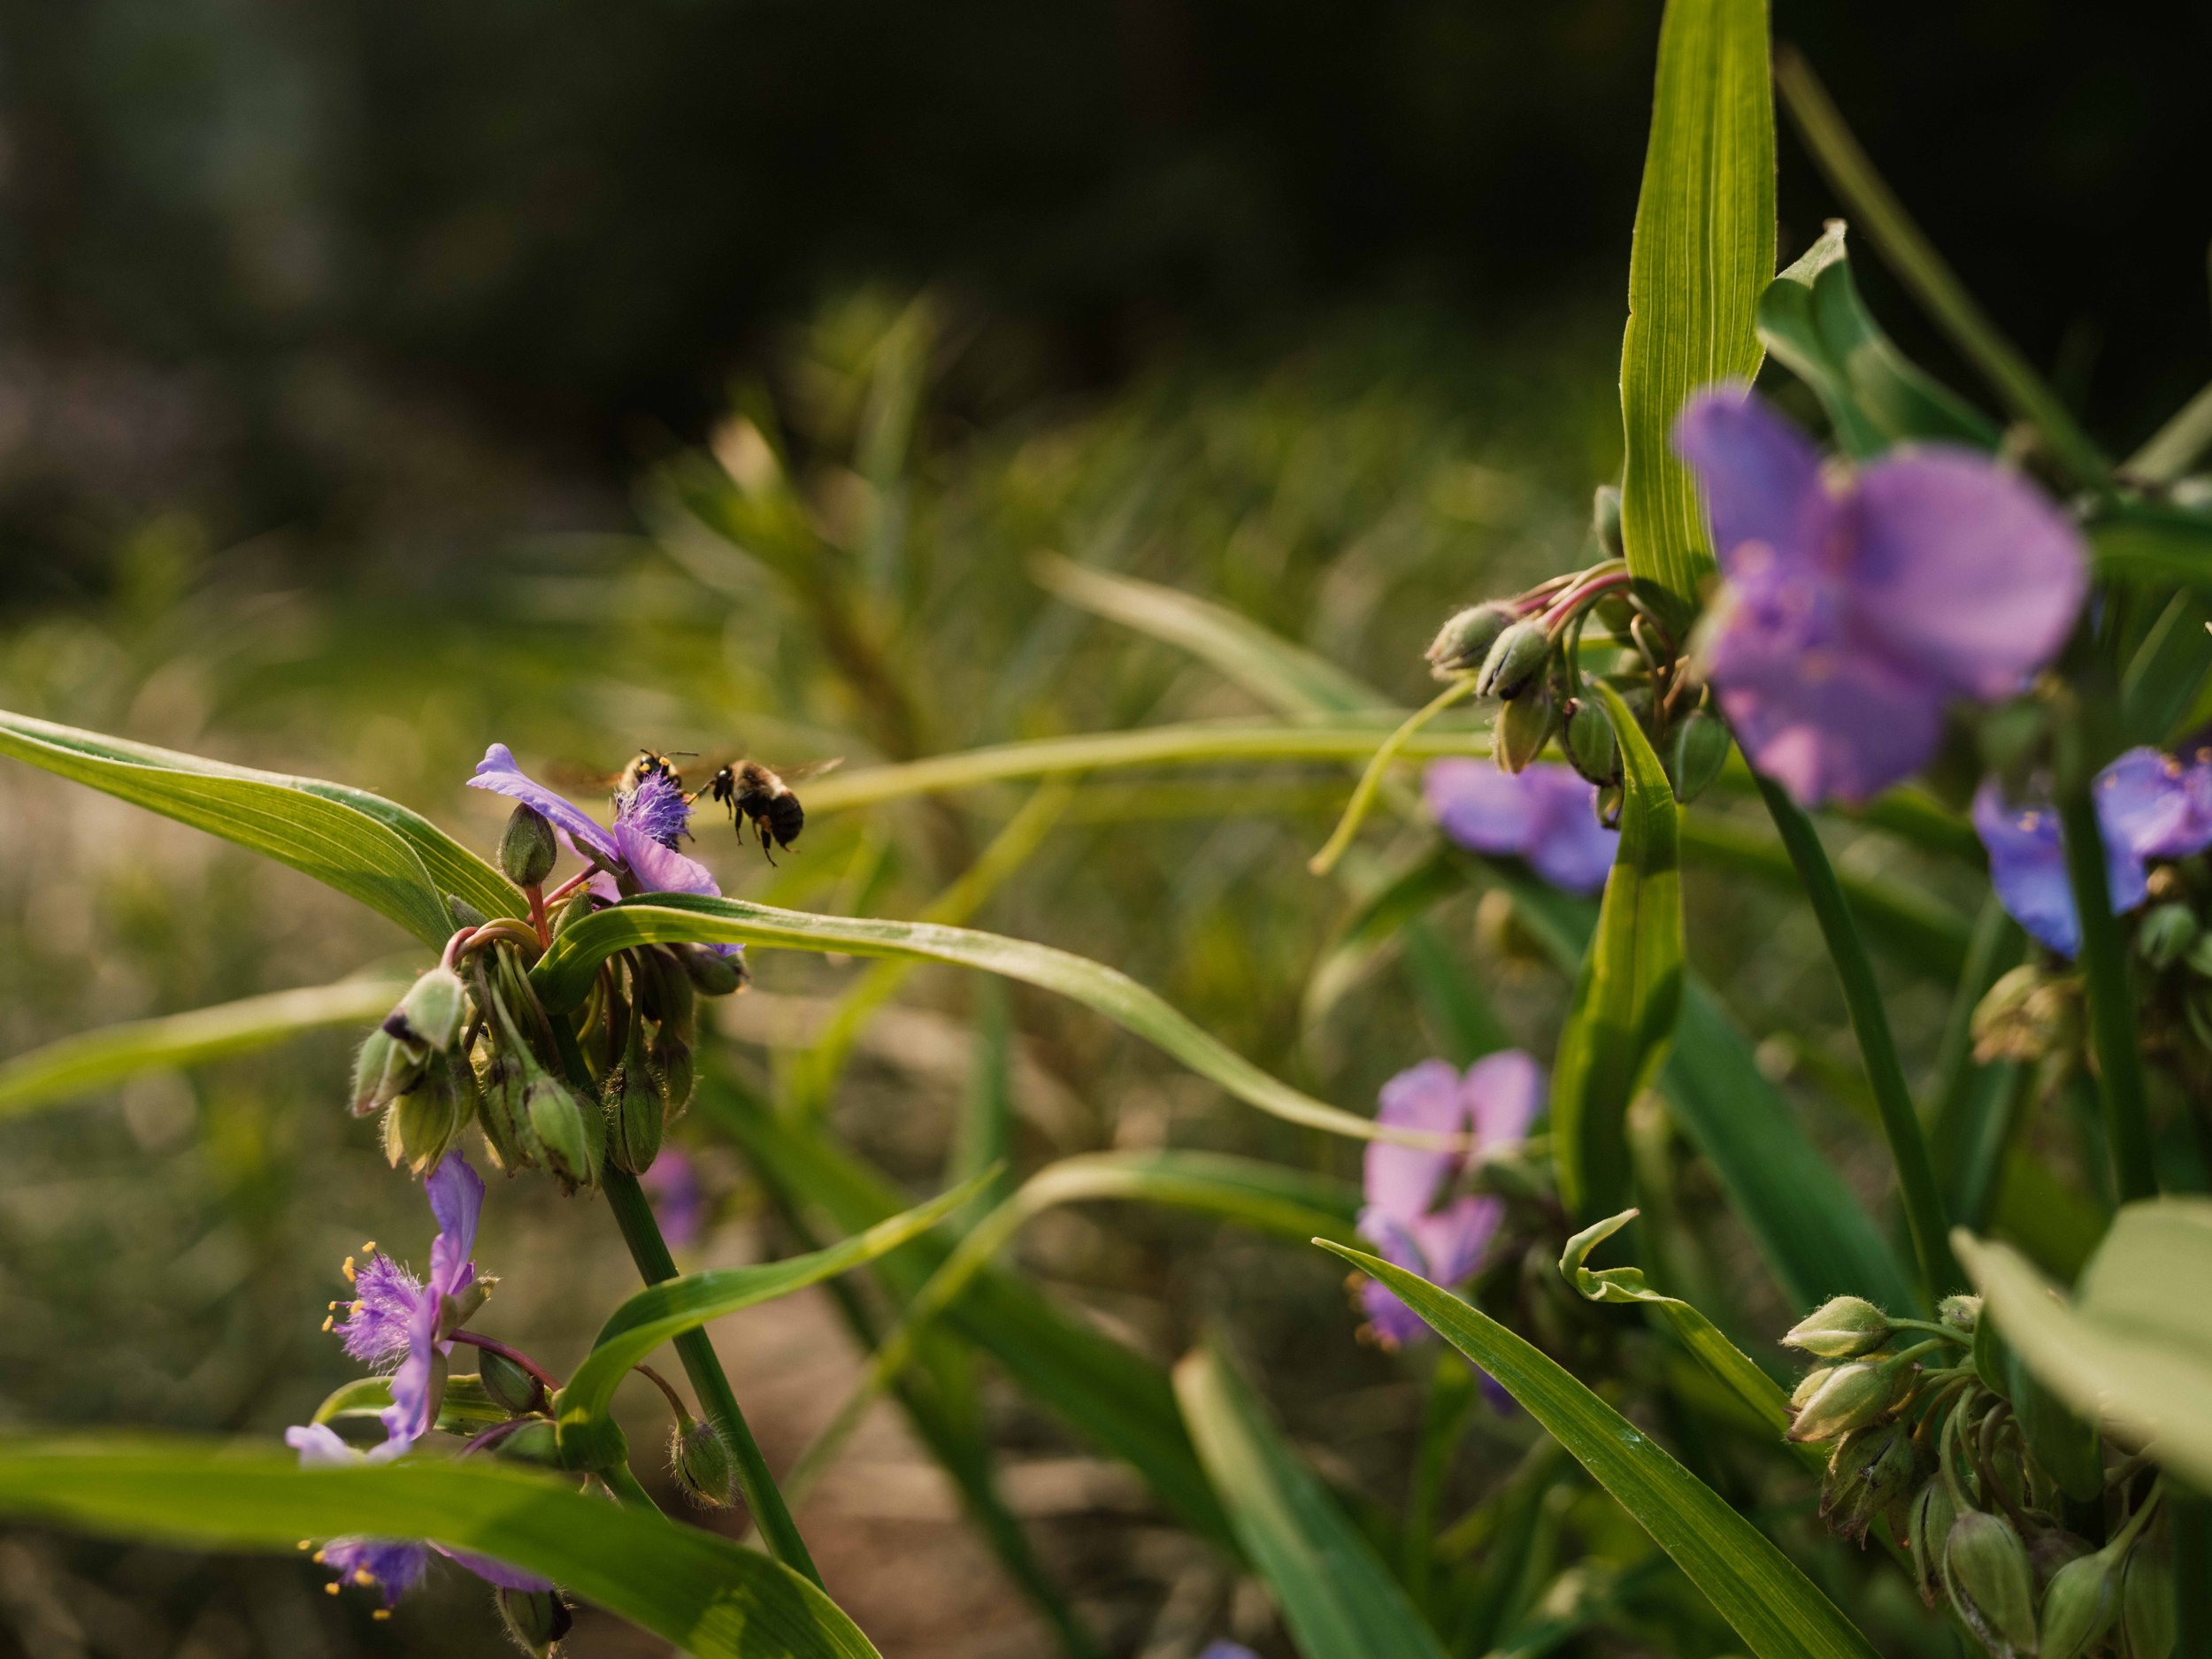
1964, 1457
1530, 652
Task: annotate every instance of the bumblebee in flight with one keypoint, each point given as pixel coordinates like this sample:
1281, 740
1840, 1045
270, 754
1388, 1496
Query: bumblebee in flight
751, 791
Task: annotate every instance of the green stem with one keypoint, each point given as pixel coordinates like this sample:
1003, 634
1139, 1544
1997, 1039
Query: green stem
627, 1489
2103, 963
634, 1215
1870, 1022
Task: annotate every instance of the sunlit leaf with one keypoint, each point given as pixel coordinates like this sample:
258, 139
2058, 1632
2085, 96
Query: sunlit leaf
1703, 252
1777, 1611
684, 1583
1629, 988
1337, 1598
392, 860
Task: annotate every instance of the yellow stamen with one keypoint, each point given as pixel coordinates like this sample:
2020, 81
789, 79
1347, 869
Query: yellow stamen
307, 1543
329, 1319
316, 1558
347, 1269
362, 1575
382, 1612
369, 1248
331, 1588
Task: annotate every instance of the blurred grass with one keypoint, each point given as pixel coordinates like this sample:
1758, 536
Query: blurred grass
166, 1251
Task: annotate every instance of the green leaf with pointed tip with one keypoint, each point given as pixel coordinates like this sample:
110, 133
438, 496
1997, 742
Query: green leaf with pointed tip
1338, 1599
79, 1064
392, 860
465, 1408
564, 976
674, 1306
1777, 1611
1812, 319
2133, 1345
1628, 990
1703, 252
700, 1592
1288, 677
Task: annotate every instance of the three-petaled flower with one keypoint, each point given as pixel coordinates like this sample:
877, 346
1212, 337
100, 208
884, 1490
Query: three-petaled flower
1544, 813
2149, 806
637, 854
1413, 1216
398, 1320
1858, 606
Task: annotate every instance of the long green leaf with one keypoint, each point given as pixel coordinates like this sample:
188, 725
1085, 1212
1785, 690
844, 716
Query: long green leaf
1629, 989
1703, 253
2132, 1346
1777, 1610
2143, 541
392, 860
676, 1305
1812, 319
563, 975
1338, 1599
88, 1061
686, 1585
1288, 677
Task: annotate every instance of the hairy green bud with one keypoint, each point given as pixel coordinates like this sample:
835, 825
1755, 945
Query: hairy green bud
536, 1619
1992, 1587
1524, 726
1605, 520
2146, 1599
1593, 747
514, 1389
580, 905
1699, 752
634, 1115
568, 1139
669, 1062
712, 974
528, 848
1961, 1313
1870, 1477
2079, 1605
1463, 643
423, 1123
502, 1111
1842, 1327
384, 1070
1516, 662
1851, 1397
537, 1441
1927, 1528
703, 1464
2026, 1015
464, 913
428, 1018
1810, 1384
666, 994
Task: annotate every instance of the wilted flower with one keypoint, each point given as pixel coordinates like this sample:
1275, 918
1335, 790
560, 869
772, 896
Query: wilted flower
1857, 606
1412, 1217
2149, 806
398, 1320
1545, 814
393, 1565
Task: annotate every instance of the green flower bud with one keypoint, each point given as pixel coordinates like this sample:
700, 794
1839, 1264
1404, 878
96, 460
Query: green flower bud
580, 905
667, 995
712, 975
1927, 1527
669, 1062
1985, 1573
464, 913
2199, 956
2165, 931
1516, 662
428, 1018
1605, 520
1524, 725
2026, 1015
1699, 752
537, 1441
1591, 747
2146, 1599
1810, 1384
1463, 643
423, 1123
514, 1389
536, 1619
527, 848
1611, 798
383, 1071
1842, 1327
1851, 1397
634, 1115
501, 1113
1870, 1477
568, 1138
1961, 1313
703, 1466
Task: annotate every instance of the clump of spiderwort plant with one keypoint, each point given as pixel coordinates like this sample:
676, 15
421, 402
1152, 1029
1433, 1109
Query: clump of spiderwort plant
1936, 1435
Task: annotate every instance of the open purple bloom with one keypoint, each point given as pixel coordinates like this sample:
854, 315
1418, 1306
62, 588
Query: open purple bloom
1412, 1217
1544, 813
398, 1320
637, 854
393, 1565
1858, 607
2149, 806
672, 1184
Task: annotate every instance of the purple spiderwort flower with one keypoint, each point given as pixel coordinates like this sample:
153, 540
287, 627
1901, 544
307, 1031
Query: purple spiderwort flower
1544, 813
2149, 806
1227, 1650
398, 1320
1857, 606
672, 1182
1412, 1217
393, 1565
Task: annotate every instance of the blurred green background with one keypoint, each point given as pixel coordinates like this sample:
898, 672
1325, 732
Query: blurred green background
358, 363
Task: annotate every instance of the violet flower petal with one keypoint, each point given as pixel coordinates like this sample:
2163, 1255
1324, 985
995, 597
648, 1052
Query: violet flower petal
1962, 568
1505, 1093
408, 1418
1567, 846
1454, 1238
1401, 1182
320, 1447
1761, 475
498, 772
2145, 801
654, 868
1484, 810
672, 1182
1394, 1323
456, 1199
392, 1566
496, 1572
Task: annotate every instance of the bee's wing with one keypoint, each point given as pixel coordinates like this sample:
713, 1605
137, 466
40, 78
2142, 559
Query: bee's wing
573, 777
808, 769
